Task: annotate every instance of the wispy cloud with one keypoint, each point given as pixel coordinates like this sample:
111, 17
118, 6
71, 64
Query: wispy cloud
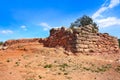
114, 3
104, 21
98, 13
6, 32
105, 7
46, 26
23, 27
110, 21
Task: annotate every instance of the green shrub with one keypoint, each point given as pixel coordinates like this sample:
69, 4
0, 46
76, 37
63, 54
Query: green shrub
40, 77
65, 73
83, 21
86, 20
48, 66
64, 65
17, 63
1, 43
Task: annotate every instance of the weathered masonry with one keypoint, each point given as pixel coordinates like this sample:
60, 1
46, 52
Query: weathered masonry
82, 39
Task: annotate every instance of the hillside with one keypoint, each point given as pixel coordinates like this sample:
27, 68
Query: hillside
33, 61
80, 52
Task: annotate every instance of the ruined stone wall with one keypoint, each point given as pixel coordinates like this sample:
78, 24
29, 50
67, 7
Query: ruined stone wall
18, 41
83, 39
96, 42
107, 43
61, 37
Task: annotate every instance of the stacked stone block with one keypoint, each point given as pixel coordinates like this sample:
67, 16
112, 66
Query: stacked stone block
82, 40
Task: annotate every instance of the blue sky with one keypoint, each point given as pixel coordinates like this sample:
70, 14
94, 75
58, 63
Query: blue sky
34, 18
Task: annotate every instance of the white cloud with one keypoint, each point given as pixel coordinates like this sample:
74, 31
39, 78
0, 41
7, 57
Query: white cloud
105, 7
109, 21
46, 26
114, 3
23, 27
106, 3
98, 13
6, 32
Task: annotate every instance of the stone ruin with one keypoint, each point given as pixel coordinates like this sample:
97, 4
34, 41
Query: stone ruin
82, 40
85, 39
19, 41
9, 43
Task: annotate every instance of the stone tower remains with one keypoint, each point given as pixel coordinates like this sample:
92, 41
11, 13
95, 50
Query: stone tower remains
85, 39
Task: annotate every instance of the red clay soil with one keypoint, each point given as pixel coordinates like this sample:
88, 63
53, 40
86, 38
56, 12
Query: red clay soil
34, 62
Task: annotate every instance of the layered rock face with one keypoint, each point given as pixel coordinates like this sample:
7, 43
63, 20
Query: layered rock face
82, 39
